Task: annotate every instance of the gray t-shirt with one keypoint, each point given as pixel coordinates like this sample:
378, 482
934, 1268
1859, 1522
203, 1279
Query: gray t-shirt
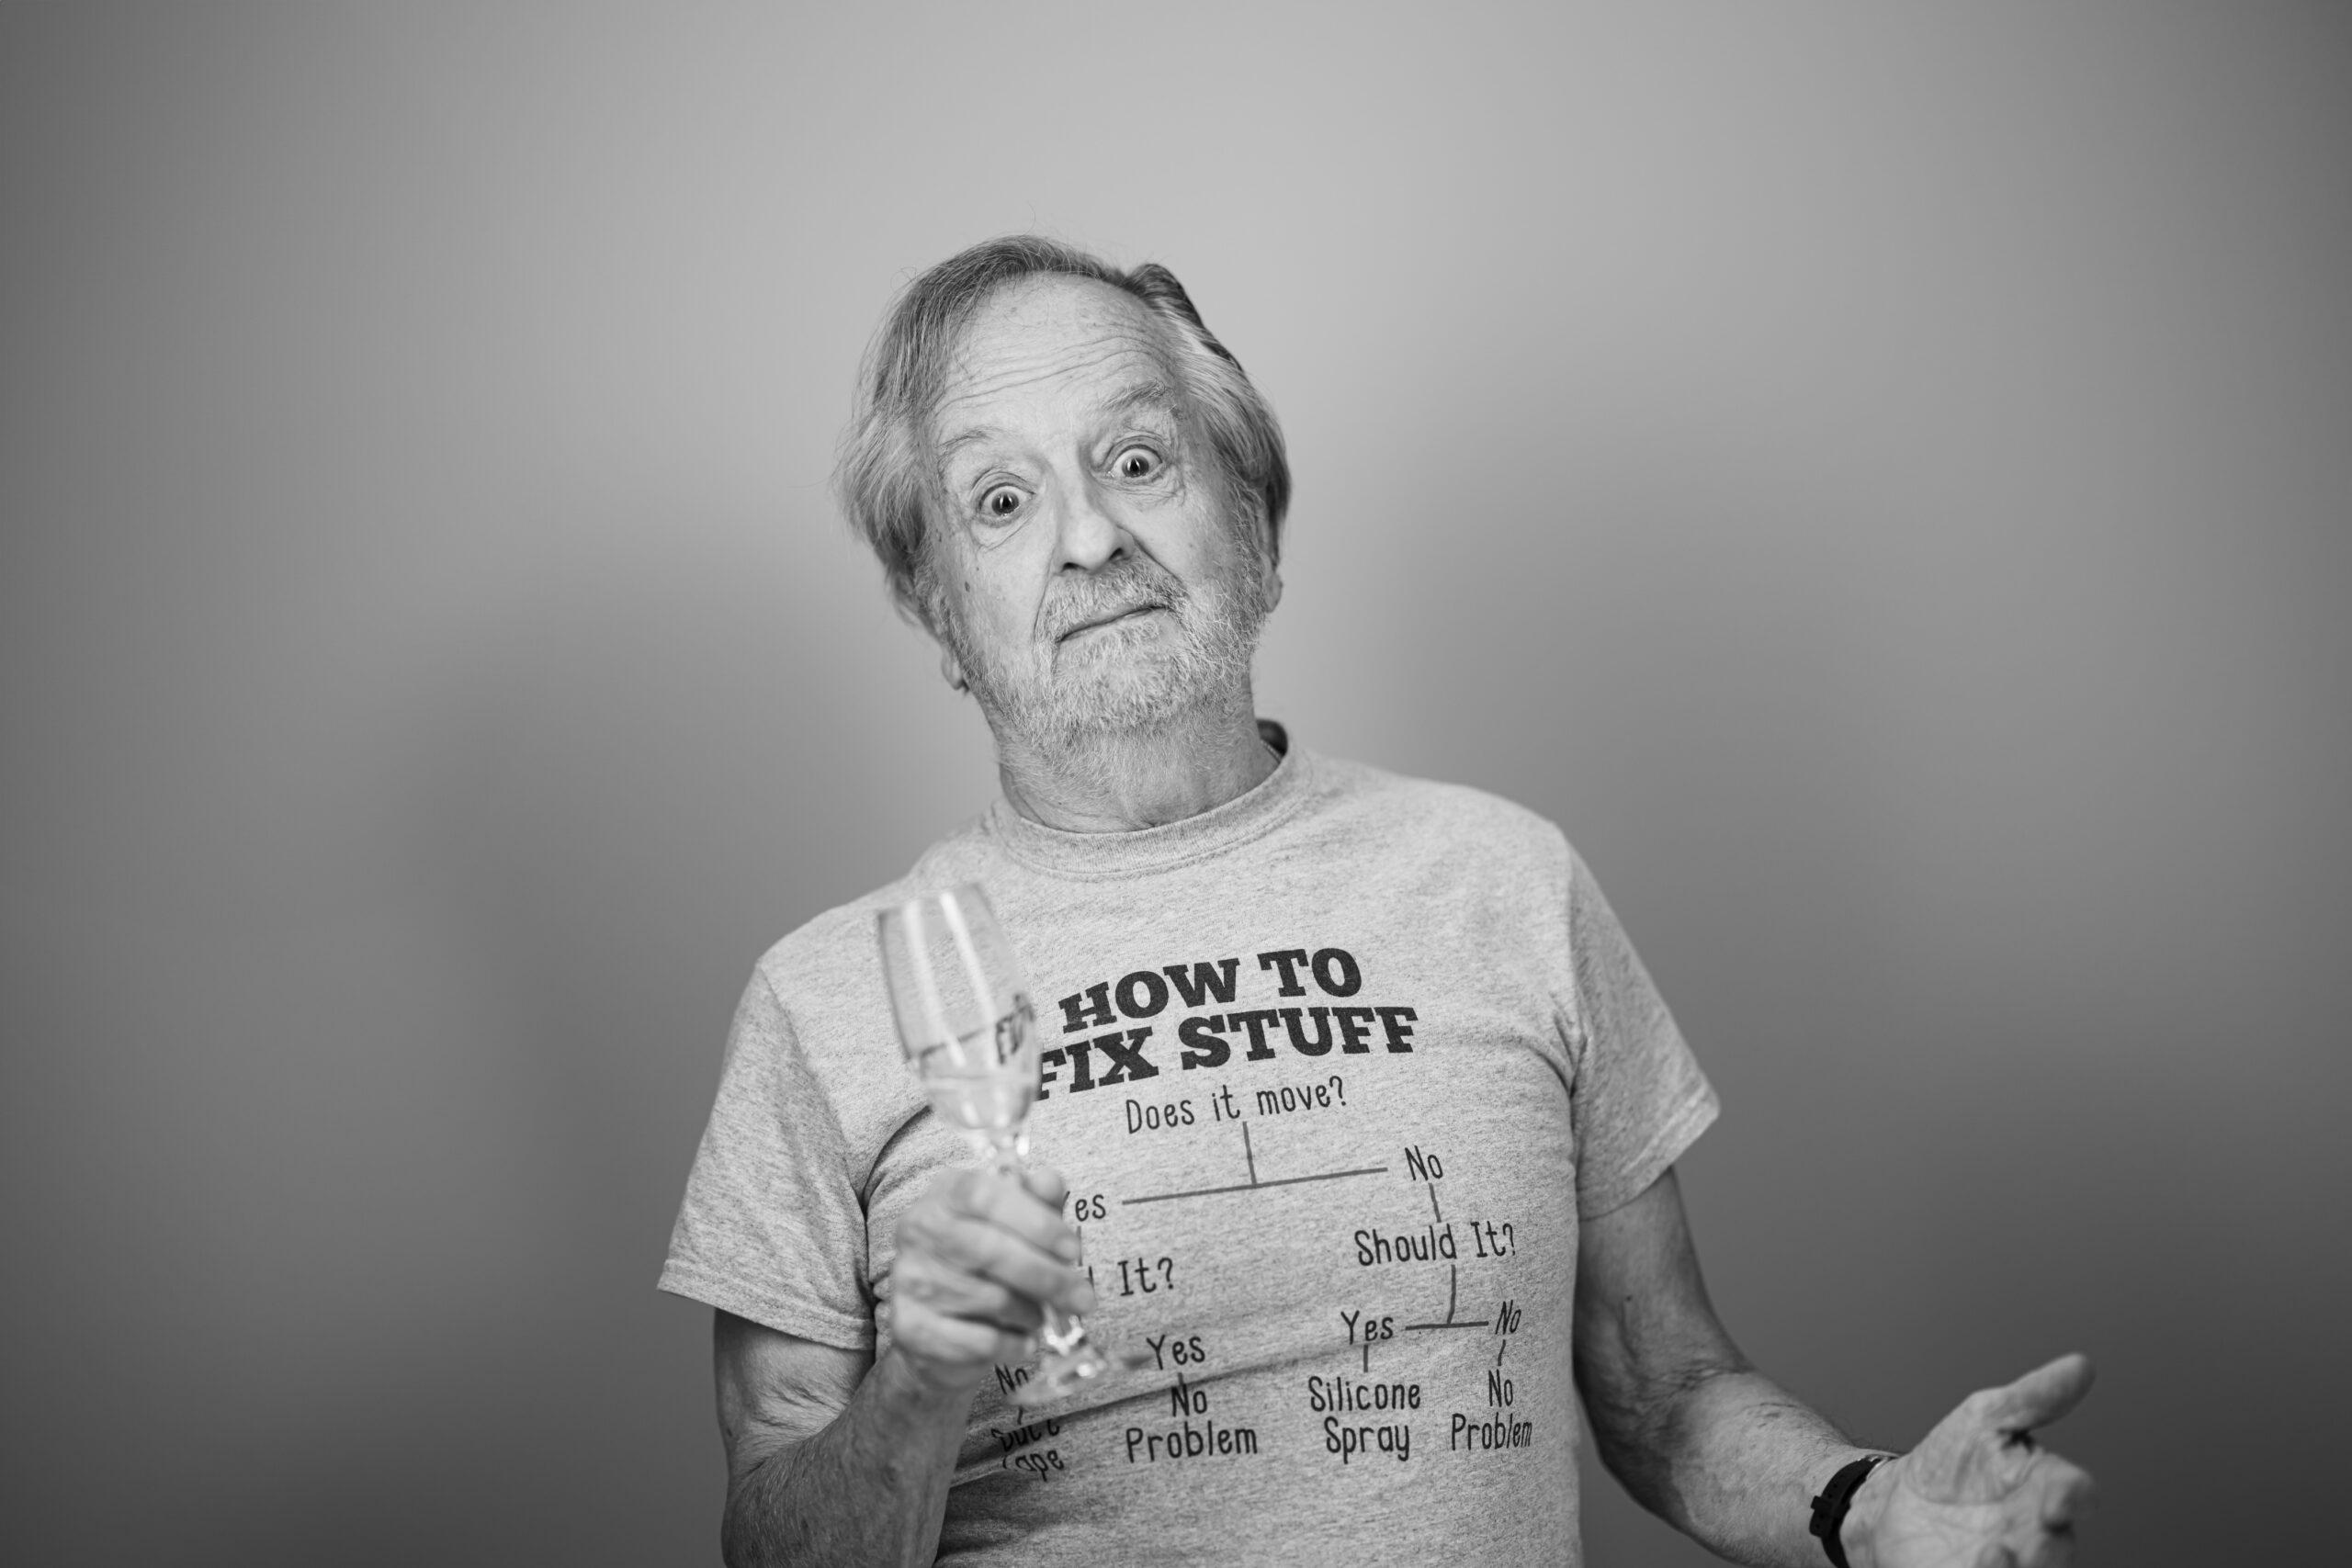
1334, 1071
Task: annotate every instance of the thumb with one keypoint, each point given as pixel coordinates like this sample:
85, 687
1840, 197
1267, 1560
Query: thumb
1045, 1182
2042, 1395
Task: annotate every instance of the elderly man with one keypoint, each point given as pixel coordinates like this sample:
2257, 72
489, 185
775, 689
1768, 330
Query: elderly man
1368, 1111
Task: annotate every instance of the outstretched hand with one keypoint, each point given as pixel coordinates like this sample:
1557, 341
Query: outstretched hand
1978, 1491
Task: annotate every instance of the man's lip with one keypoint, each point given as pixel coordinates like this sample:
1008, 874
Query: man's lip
1110, 620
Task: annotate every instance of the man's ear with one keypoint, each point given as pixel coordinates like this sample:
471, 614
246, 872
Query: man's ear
929, 610
1269, 572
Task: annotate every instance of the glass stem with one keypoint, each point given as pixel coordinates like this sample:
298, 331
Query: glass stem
1008, 1152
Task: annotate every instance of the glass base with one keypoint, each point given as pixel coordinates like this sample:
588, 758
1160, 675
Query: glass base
1066, 1371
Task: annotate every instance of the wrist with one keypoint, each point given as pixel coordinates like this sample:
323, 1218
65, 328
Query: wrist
924, 1387
1857, 1532
1843, 1522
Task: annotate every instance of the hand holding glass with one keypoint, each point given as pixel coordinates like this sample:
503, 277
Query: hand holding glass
967, 1030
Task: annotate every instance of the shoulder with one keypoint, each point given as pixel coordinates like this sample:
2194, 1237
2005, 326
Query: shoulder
1450, 818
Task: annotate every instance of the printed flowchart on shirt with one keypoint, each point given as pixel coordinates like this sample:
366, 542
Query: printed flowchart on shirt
1443, 1281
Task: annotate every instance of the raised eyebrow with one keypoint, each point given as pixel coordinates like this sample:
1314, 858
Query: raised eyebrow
1156, 396
964, 438
1159, 397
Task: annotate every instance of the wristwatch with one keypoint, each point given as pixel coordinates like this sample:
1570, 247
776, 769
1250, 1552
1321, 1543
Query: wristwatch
1829, 1508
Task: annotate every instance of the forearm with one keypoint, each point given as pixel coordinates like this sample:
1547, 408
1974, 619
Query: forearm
1729, 1458
871, 1488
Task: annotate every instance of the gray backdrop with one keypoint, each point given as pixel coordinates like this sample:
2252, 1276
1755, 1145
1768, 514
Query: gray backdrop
1881, 481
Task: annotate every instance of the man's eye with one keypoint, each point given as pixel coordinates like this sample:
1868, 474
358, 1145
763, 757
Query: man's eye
1001, 502
1137, 463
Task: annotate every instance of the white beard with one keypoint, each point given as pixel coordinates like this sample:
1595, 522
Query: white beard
1120, 681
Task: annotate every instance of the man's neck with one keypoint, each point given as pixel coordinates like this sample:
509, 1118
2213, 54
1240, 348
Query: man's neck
1131, 779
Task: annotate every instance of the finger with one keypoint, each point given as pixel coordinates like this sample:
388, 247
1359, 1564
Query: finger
959, 1294
1016, 1207
1046, 1183
2050, 1552
2042, 1395
919, 1330
988, 1253
2068, 1494
968, 1197
980, 1248
2043, 1533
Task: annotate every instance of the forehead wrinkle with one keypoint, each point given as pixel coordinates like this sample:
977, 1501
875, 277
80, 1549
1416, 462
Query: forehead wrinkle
1157, 390
1073, 360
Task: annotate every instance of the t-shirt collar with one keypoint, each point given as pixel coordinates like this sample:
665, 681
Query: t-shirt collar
1250, 815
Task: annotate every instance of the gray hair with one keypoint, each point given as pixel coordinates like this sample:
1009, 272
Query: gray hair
886, 475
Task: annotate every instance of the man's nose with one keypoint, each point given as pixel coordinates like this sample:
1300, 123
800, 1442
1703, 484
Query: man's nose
1092, 535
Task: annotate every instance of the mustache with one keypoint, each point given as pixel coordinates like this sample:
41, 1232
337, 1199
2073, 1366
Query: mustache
1134, 583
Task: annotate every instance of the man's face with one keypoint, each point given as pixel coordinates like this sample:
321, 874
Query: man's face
1087, 576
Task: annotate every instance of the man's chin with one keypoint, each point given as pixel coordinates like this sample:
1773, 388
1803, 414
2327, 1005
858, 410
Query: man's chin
1107, 709
1106, 702
1127, 678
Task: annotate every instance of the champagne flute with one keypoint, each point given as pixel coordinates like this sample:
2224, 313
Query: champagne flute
967, 1030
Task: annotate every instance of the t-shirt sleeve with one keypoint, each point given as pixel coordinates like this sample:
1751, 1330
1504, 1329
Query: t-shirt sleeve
772, 1228
1640, 1100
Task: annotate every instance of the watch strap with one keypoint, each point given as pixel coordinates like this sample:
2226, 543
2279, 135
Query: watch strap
1829, 1508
